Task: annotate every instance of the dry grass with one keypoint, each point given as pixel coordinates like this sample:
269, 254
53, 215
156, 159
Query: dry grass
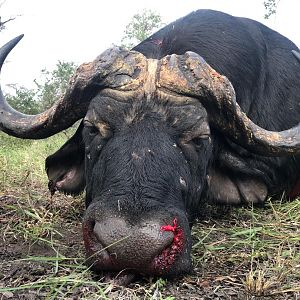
238, 253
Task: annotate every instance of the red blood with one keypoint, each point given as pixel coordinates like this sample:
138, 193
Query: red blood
170, 227
168, 256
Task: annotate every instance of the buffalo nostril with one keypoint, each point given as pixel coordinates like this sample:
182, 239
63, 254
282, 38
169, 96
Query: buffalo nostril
110, 232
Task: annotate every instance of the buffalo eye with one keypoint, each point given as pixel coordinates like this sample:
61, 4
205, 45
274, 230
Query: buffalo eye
92, 130
97, 128
199, 140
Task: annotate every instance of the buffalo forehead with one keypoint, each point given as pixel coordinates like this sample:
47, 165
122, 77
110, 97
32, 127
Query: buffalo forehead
134, 77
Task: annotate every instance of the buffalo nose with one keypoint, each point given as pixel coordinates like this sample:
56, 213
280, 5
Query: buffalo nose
137, 246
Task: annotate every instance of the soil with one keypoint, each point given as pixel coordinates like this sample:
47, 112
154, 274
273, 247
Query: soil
219, 280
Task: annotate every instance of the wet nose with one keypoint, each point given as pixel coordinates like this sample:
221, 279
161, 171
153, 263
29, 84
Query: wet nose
149, 247
132, 246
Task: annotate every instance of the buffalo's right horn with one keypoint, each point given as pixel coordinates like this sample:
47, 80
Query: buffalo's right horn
113, 68
61, 115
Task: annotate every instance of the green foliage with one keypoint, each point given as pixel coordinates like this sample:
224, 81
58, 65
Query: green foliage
23, 100
140, 27
51, 86
271, 7
54, 84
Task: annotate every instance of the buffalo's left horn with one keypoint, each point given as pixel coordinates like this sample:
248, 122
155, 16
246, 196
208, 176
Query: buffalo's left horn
111, 68
190, 75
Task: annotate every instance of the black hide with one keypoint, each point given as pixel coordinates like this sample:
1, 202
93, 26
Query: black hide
149, 165
263, 71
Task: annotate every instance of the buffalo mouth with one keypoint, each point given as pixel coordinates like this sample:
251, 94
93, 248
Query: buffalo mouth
167, 255
171, 253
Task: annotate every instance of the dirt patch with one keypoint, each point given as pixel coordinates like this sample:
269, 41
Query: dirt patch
48, 263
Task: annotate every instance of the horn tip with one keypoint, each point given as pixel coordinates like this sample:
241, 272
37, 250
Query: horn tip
4, 50
19, 37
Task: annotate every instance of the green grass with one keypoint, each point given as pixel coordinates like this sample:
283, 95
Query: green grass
250, 252
23, 160
261, 246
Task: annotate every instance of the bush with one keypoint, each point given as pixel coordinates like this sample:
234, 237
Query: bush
51, 87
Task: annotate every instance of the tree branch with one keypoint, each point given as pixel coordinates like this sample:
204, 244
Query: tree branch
2, 23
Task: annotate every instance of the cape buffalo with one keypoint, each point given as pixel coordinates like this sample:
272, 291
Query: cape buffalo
206, 109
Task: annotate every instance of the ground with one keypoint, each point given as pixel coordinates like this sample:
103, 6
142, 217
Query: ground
238, 253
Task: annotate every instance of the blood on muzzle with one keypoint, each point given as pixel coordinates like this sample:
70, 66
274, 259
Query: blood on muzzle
148, 247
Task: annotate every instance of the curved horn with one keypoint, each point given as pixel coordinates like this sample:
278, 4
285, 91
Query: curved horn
189, 74
111, 68
60, 116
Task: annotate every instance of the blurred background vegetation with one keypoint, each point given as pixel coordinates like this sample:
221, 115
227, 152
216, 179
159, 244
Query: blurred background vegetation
51, 84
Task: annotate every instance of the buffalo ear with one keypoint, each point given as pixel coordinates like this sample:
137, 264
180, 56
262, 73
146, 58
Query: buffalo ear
65, 168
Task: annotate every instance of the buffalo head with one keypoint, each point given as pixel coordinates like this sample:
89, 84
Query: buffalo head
142, 152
